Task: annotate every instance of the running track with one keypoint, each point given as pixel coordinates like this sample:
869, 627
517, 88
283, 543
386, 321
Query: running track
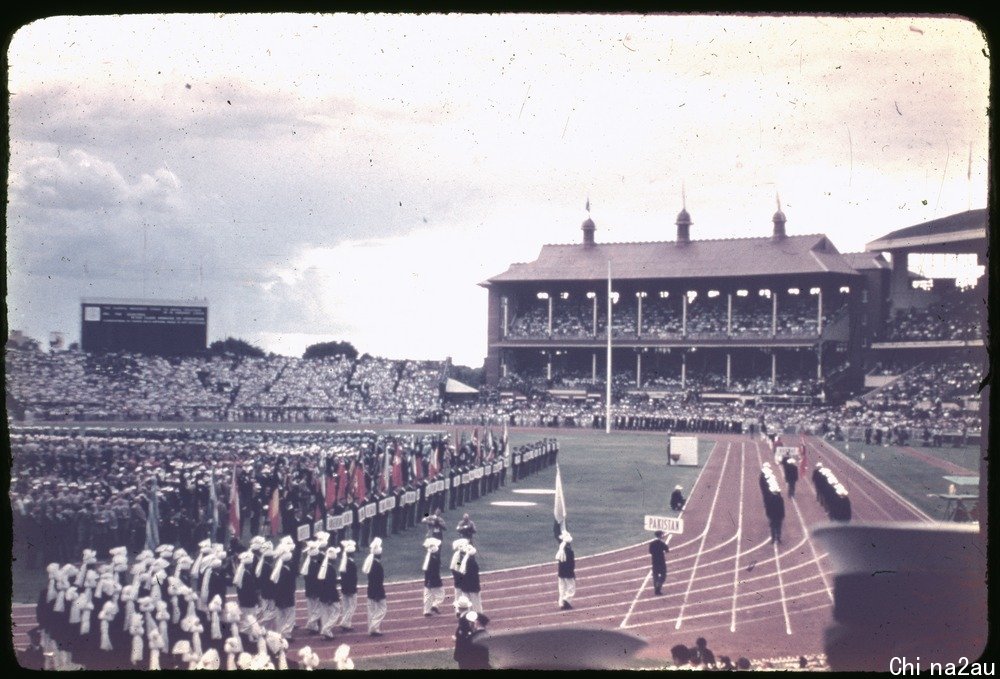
725, 580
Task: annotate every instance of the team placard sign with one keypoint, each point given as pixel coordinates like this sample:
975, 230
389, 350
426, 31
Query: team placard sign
668, 524
303, 532
318, 526
790, 451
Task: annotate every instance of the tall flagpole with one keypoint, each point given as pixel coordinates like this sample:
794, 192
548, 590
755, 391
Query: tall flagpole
607, 417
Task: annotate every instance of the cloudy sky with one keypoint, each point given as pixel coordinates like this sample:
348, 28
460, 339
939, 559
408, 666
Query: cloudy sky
321, 177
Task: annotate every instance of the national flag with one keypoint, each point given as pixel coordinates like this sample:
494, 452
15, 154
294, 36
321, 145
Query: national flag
235, 527
475, 445
434, 463
342, 481
153, 517
418, 463
274, 513
384, 470
559, 508
213, 501
321, 481
504, 441
489, 445
360, 489
397, 468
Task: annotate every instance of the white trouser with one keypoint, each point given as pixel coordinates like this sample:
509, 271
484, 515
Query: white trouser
266, 612
350, 602
246, 613
475, 600
433, 597
313, 613
376, 613
567, 588
329, 616
284, 621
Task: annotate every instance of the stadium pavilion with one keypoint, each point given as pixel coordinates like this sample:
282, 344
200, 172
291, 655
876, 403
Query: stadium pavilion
758, 308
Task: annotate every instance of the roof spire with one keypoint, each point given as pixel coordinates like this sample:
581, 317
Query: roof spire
779, 220
588, 227
683, 220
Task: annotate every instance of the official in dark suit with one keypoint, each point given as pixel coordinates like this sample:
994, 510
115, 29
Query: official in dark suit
658, 549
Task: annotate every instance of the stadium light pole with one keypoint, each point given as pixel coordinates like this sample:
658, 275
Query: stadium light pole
607, 396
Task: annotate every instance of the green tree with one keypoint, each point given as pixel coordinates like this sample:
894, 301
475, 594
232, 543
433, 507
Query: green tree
325, 349
471, 376
234, 346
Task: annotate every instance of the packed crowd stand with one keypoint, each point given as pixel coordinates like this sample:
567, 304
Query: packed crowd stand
307, 499
953, 317
925, 405
72, 385
662, 318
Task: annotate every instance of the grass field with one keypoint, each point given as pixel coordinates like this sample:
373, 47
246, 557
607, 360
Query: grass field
918, 481
609, 481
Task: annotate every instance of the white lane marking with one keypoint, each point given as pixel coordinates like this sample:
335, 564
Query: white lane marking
812, 547
645, 580
711, 511
739, 534
781, 586
899, 498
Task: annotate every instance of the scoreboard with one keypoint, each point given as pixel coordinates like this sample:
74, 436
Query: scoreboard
143, 326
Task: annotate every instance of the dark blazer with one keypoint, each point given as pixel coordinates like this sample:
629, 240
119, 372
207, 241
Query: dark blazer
470, 581
432, 576
284, 593
376, 581
349, 578
658, 551
326, 589
248, 595
567, 568
310, 579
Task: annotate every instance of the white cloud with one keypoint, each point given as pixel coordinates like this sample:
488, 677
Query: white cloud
355, 176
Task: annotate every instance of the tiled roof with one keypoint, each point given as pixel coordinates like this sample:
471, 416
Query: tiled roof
808, 254
866, 260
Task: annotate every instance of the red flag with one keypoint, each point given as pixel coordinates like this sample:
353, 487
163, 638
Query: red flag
397, 468
360, 489
274, 513
434, 464
383, 476
234, 507
418, 467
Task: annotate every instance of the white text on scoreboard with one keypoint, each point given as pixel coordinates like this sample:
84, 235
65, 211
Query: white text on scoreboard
668, 524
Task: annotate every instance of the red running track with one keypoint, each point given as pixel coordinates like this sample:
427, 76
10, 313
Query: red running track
725, 581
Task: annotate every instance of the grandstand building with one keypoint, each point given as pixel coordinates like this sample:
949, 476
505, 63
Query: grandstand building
787, 317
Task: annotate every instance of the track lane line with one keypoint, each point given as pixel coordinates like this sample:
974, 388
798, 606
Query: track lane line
708, 522
739, 534
649, 573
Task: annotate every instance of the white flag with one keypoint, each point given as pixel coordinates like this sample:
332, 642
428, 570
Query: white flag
559, 510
